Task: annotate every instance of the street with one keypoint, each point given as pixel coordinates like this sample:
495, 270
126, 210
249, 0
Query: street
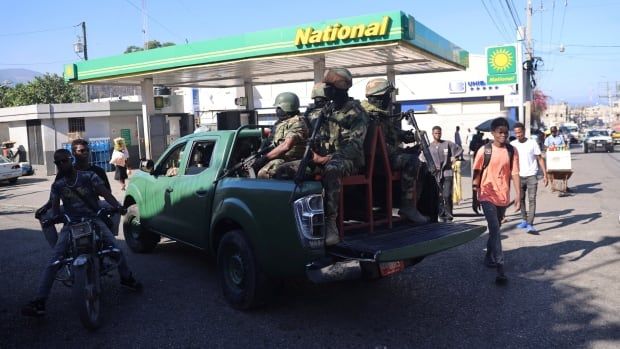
563, 289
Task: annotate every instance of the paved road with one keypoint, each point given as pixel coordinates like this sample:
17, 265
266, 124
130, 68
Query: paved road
563, 292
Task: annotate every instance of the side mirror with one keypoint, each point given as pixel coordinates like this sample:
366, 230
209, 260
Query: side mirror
147, 166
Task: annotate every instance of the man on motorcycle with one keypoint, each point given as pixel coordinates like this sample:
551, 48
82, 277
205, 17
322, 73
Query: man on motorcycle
79, 191
81, 153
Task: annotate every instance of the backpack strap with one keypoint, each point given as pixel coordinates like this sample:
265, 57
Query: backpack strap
488, 150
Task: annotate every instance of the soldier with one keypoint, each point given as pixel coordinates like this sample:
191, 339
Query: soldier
318, 96
289, 138
342, 137
379, 108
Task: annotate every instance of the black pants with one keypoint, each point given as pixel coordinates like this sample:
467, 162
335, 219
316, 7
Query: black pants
445, 203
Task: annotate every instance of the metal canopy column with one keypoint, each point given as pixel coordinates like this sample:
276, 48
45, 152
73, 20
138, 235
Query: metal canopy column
319, 69
391, 77
148, 108
248, 86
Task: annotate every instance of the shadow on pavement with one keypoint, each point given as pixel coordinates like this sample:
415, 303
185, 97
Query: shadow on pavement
572, 219
587, 188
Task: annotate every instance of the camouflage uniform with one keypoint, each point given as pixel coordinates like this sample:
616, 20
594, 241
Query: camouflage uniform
406, 163
342, 136
294, 127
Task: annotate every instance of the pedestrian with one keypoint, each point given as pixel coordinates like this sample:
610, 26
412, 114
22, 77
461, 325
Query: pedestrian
379, 106
554, 140
493, 169
289, 138
119, 160
457, 137
444, 155
530, 160
7, 150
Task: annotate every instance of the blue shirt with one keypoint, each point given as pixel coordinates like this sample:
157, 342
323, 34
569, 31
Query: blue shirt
82, 205
551, 140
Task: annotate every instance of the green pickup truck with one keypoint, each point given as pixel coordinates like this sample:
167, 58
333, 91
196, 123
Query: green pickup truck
261, 231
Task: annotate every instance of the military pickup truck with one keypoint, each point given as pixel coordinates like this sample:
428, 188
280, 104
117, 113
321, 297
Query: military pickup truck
261, 231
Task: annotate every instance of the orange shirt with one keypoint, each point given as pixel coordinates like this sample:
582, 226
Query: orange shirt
495, 182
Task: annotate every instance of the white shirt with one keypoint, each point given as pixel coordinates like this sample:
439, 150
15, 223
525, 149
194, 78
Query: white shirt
528, 154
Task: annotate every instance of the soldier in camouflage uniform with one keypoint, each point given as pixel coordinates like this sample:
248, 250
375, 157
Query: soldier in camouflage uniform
379, 109
318, 96
342, 145
289, 138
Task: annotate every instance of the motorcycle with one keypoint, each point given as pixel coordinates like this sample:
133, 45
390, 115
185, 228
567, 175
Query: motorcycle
86, 261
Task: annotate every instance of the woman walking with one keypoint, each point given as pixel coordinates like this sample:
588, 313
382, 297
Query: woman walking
119, 160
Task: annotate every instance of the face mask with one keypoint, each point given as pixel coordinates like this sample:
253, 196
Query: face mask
319, 102
281, 114
330, 92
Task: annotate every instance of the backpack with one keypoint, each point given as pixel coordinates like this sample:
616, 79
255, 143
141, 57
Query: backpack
488, 150
475, 143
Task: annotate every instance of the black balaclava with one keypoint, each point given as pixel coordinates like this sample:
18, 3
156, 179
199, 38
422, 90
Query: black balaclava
320, 102
383, 101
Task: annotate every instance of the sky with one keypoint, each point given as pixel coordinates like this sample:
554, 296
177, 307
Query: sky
39, 35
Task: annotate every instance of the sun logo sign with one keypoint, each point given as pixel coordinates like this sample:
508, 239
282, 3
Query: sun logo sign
501, 65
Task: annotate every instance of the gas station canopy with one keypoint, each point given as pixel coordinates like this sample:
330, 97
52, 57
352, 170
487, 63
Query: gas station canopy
371, 45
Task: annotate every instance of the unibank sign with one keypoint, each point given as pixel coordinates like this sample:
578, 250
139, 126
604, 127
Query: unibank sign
336, 32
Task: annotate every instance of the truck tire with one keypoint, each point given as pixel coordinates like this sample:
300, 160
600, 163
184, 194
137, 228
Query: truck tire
138, 238
585, 147
243, 284
13, 180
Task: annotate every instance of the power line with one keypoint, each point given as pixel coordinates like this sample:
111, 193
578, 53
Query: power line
492, 19
514, 8
552, 21
156, 21
514, 20
35, 31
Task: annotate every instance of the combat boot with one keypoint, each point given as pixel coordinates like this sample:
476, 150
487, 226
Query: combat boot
411, 213
332, 236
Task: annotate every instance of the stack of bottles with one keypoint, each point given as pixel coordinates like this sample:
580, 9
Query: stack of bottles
554, 147
101, 152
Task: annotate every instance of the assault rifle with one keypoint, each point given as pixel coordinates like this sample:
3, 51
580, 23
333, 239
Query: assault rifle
247, 163
312, 143
422, 139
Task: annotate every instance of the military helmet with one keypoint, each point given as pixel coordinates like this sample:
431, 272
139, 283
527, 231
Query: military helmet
287, 101
318, 90
340, 78
378, 87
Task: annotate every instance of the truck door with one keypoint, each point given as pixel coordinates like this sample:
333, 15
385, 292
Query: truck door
192, 193
159, 192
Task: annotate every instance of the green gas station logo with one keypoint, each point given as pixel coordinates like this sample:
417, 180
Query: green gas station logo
501, 65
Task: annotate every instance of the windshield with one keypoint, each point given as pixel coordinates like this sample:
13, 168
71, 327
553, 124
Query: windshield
597, 133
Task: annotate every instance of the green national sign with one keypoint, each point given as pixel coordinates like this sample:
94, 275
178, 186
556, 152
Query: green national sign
501, 65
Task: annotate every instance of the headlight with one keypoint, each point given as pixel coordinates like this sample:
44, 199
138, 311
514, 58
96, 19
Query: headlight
310, 219
589, 141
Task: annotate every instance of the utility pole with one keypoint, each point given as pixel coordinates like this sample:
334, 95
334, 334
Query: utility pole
529, 57
84, 38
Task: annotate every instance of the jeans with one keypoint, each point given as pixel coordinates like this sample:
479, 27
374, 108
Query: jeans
529, 184
494, 215
445, 204
51, 234
45, 286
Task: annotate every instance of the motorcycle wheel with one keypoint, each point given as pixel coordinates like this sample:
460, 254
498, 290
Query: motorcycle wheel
87, 294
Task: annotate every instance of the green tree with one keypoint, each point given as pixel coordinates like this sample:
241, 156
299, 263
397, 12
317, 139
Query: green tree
46, 89
150, 45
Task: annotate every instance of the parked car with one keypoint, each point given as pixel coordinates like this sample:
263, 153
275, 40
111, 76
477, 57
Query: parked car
615, 135
9, 170
598, 140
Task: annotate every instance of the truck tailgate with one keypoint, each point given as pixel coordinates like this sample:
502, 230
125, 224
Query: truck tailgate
406, 242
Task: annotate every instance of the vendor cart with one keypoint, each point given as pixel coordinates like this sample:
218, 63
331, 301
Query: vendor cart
559, 170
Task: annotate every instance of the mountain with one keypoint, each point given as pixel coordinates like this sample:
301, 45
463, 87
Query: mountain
17, 76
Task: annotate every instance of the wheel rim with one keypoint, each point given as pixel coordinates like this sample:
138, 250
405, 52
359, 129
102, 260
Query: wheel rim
135, 228
236, 269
